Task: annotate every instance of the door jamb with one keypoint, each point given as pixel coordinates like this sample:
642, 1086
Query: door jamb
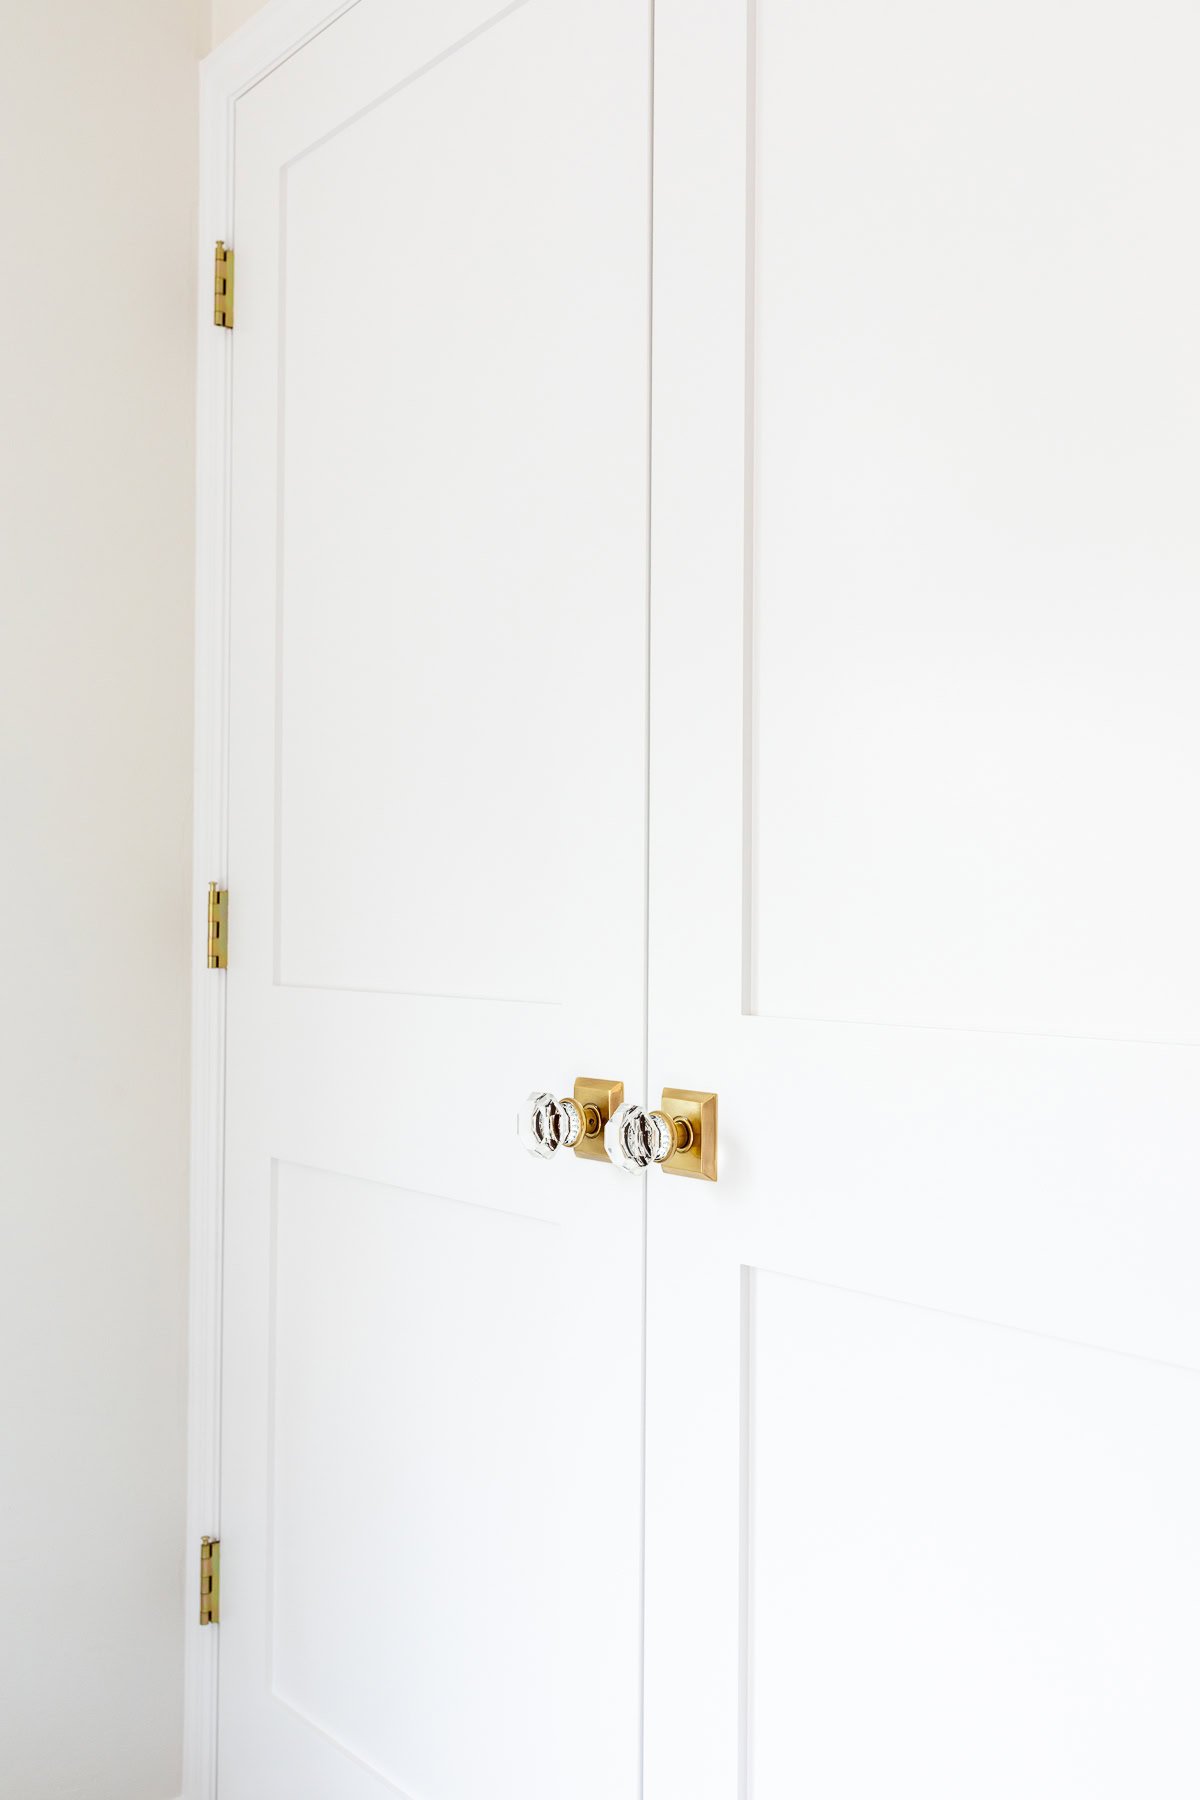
272, 35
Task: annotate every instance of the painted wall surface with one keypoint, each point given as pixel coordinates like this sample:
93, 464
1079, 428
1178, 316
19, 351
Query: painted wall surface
227, 15
97, 192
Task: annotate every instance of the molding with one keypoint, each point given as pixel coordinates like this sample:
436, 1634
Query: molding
266, 40
276, 31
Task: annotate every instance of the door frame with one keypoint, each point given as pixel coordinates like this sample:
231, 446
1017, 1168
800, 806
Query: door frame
275, 33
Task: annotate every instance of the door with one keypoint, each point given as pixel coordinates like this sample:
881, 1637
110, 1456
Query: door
432, 1353
923, 1402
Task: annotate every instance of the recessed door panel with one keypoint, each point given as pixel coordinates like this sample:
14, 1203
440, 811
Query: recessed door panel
961, 1536
972, 573
445, 440
416, 1481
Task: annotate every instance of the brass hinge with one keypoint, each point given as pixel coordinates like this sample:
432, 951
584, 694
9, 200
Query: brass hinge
210, 1581
223, 287
218, 925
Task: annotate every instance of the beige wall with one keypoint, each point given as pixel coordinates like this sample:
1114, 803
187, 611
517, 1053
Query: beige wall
97, 186
227, 15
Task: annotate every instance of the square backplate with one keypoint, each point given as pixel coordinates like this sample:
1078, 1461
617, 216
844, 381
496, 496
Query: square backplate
700, 1110
605, 1096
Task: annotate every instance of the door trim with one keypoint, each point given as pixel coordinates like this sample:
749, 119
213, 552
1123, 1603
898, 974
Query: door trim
275, 33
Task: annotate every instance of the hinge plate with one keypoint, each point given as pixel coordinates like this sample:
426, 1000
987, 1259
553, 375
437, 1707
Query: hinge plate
223, 286
605, 1097
210, 1581
700, 1111
218, 926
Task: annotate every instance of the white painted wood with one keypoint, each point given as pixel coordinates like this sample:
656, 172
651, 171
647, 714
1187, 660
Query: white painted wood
922, 1401
1001, 1513
420, 1324
922, 1366
431, 1346
971, 698
277, 31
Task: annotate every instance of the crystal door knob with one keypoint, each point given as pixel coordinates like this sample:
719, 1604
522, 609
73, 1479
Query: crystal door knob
635, 1138
546, 1125
681, 1135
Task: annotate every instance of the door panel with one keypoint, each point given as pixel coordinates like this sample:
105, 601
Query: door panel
922, 1367
432, 1346
959, 1520
972, 710
392, 1434
431, 589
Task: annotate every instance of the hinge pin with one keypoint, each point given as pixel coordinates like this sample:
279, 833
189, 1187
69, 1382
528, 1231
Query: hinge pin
210, 1581
218, 925
223, 286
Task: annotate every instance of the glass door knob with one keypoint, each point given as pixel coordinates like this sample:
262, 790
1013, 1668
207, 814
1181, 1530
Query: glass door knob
546, 1125
681, 1135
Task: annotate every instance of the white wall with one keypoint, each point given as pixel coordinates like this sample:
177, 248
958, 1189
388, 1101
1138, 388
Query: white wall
227, 15
97, 183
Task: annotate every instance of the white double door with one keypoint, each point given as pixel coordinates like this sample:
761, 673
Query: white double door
715, 603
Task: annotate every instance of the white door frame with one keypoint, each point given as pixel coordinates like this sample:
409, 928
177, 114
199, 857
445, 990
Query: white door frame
265, 41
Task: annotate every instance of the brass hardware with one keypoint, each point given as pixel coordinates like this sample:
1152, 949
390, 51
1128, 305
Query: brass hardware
223, 286
681, 1135
218, 926
210, 1581
693, 1118
598, 1101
